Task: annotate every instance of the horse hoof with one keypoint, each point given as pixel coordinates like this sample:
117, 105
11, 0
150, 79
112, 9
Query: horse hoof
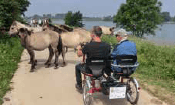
32, 70
47, 66
56, 67
64, 64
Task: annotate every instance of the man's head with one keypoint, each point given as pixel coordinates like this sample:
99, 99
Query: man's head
120, 34
97, 31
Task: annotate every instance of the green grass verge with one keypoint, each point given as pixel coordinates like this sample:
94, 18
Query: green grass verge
157, 67
10, 54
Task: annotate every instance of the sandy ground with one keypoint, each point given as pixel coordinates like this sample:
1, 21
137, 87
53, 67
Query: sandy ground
49, 86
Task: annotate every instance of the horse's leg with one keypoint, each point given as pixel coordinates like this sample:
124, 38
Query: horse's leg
51, 53
33, 60
30, 56
63, 56
66, 48
56, 58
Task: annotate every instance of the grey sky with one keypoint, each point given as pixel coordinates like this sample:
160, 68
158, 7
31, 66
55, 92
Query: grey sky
93, 8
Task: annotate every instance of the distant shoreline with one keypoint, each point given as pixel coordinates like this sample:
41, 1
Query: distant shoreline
84, 19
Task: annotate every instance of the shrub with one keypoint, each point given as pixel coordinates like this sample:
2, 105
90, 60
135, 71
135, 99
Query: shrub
10, 53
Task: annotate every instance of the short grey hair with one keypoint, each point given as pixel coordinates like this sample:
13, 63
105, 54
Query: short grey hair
121, 32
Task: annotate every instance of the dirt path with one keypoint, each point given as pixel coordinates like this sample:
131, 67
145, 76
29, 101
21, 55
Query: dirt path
48, 86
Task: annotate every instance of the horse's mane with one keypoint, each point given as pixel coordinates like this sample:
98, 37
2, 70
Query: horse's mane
19, 23
66, 27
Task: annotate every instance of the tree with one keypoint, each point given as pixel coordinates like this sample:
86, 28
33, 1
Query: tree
73, 19
12, 10
68, 18
166, 16
173, 18
139, 16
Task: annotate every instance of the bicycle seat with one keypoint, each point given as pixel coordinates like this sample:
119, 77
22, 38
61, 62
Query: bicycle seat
126, 65
126, 61
95, 67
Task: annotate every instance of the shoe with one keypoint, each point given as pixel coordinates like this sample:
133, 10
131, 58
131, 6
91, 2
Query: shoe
79, 88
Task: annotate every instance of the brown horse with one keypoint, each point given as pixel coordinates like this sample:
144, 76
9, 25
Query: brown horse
73, 39
39, 41
53, 28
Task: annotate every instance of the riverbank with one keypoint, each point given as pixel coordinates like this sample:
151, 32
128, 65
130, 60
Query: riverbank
156, 72
10, 54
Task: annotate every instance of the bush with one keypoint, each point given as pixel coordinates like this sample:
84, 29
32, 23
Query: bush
10, 53
110, 40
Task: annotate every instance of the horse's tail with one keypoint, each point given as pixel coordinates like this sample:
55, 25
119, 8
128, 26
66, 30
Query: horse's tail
60, 45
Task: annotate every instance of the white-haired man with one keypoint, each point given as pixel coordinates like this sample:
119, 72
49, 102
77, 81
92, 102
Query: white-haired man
124, 47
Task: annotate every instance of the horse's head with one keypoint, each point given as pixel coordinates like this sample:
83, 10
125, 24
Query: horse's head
112, 30
45, 26
13, 29
23, 32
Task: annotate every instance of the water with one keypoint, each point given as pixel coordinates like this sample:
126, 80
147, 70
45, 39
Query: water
165, 34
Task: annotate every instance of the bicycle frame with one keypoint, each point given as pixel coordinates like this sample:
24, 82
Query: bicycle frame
91, 83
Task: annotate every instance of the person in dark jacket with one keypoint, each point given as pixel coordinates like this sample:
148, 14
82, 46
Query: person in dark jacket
96, 48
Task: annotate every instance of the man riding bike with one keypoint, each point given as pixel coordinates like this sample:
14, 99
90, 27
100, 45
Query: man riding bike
123, 48
95, 49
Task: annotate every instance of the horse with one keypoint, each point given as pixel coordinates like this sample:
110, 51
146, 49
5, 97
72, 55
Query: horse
70, 39
53, 28
39, 41
107, 30
73, 39
57, 29
69, 29
17, 25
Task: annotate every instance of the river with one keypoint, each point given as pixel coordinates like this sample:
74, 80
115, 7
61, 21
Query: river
165, 34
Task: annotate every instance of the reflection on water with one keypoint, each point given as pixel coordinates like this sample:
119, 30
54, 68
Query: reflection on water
165, 34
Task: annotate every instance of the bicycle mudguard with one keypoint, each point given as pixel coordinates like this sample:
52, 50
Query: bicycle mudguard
137, 84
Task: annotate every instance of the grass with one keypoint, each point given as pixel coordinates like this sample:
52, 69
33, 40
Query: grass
10, 53
156, 71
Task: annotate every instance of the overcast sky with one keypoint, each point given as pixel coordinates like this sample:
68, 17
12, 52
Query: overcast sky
92, 8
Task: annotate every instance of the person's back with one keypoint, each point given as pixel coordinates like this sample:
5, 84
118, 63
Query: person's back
126, 47
96, 50
123, 48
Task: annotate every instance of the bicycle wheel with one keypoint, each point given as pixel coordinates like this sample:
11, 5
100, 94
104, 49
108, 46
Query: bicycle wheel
131, 93
87, 97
